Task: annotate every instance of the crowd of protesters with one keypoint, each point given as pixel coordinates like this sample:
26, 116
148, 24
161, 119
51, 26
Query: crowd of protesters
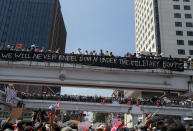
154, 101
42, 121
48, 121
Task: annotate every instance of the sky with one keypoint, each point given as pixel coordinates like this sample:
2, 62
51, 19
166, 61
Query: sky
98, 24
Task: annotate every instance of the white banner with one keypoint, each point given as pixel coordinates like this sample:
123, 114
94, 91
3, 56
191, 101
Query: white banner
11, 95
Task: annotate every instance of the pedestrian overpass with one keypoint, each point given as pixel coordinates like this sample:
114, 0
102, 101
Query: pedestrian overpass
51, 73
33, 104
110, 108
133, 110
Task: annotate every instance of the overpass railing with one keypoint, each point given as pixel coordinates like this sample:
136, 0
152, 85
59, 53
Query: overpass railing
169, 102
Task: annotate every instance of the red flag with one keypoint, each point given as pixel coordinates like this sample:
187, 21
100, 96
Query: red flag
49, 114
58, 104
19, 45
147, 120
147, 117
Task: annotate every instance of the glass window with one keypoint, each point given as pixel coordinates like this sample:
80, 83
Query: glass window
186, 0
152, 28
189, 33
152, 37
175, 0
191, 52
181, 51
177, 15
176, 7
180, 42
190, 42
153, 46
189, 24
179, 33
178, 24
188, 16
187, 7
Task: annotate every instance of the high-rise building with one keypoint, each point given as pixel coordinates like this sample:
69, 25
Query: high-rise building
164, 26
28, 22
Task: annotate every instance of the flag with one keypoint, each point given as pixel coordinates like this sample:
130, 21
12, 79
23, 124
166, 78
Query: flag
11, 95
147, 117
19, 46
118, 122
58, 104
147, 120
53, 106
49, 114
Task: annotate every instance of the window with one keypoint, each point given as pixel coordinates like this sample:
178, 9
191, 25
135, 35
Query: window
152, 28
186, 0
175, 0
190, 42
151, 12
181, 51
188, 16
187, 7
180, 42
151, 20
177, 15
152, 37
191, 52
153, 46
189, 24
149, 41
189, 33
151, 4
178, 24
176, 7
179, 33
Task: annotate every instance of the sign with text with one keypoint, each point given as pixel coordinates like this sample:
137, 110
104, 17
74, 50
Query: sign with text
102, 61
16, 113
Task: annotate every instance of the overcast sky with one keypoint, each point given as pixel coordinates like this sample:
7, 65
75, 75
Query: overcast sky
99, 24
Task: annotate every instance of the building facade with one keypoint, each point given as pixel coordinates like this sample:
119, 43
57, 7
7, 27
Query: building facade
164, 26
28, 22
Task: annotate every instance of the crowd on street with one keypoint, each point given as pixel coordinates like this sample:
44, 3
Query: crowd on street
48, 121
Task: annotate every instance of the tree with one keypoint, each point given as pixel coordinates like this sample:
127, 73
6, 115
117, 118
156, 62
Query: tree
99, 117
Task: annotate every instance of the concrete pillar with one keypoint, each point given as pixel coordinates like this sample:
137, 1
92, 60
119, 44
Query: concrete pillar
134, 119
